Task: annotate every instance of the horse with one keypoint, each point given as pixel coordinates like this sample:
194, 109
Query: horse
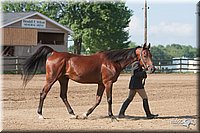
102, 68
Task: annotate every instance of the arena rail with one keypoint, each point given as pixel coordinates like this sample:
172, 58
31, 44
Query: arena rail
175, 65
14, 65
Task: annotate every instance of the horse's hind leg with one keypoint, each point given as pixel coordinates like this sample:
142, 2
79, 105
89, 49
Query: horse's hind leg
43, 94
63, 94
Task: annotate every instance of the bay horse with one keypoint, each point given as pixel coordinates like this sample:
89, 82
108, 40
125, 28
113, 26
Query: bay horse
102, 68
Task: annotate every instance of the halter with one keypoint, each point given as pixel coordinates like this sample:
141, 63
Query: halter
145, 66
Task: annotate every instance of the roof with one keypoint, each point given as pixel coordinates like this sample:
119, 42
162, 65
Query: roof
10, 18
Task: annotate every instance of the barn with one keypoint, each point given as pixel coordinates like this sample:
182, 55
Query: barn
25, 31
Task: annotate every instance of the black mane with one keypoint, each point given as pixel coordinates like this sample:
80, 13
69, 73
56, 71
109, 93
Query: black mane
119, 55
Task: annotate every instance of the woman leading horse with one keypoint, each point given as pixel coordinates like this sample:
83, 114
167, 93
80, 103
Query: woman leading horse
102, 68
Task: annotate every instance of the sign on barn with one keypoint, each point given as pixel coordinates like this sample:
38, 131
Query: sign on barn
34, 23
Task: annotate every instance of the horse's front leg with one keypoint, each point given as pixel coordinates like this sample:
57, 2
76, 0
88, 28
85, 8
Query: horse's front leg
108, 87
99, 95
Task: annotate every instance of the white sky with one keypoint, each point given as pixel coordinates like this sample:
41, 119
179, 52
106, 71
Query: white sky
169, 21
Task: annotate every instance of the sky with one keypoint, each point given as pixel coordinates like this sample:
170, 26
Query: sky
168, 22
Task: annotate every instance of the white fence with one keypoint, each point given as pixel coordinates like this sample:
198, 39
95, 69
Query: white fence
14, 65
178, 65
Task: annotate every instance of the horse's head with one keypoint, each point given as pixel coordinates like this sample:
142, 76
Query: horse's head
144, 56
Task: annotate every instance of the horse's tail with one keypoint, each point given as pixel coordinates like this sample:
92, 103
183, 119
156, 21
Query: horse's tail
37, 60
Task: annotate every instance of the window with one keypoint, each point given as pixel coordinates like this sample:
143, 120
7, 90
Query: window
51, 38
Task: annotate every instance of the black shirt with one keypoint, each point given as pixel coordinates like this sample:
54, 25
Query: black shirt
138, 74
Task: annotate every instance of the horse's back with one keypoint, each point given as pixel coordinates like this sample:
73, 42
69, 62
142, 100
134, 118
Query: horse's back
82, 69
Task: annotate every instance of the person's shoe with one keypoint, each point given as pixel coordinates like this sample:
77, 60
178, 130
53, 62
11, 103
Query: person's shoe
121, 116
147, 110
123, 108
152, 116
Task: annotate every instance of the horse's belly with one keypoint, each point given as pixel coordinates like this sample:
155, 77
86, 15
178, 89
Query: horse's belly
85, 79
87, 72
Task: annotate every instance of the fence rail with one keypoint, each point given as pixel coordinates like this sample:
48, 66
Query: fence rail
178, 65
14, 65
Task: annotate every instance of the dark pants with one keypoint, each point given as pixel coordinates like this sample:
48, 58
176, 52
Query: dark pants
131, 95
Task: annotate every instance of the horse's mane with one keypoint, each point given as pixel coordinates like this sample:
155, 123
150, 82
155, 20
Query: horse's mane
119, 55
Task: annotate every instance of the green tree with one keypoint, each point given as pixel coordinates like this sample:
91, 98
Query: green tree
159, 53
132, 45
173, 50
190, 52
177, 50
99, 26
53, 10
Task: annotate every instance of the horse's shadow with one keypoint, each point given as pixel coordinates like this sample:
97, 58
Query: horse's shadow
128, 117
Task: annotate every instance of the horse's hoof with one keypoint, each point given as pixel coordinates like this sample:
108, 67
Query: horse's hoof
85, 116
40, 117
113, 118
74, 117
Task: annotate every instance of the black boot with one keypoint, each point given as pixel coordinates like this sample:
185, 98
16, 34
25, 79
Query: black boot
123, 108
147, 110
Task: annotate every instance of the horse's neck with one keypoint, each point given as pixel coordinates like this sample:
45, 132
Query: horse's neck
127, 62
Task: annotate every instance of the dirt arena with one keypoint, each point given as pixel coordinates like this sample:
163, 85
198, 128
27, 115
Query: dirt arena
173, 96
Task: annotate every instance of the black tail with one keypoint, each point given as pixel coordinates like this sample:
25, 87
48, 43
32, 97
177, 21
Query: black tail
37, 60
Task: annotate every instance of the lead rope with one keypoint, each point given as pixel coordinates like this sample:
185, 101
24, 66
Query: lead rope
144, 81
145, 66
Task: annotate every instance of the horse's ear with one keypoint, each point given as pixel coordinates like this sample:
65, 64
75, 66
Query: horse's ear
144, 46
148, 47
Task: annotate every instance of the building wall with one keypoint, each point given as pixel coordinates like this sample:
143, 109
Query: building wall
19, 36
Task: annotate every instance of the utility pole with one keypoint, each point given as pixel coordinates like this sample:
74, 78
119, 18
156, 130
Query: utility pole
145, 21
198, 25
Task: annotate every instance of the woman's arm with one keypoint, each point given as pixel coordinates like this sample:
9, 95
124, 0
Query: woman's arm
138, 71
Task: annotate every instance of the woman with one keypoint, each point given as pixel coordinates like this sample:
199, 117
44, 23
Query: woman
136, 85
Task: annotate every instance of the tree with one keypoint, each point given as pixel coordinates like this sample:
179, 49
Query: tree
174, 50
132, 45
53, 10
99, 26
159, 53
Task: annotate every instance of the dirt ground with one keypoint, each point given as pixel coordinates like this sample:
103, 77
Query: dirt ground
173, 96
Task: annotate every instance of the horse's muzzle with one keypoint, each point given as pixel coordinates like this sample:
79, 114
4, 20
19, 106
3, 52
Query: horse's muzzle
151, 69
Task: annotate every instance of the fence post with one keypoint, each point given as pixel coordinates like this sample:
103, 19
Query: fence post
180, 65
16, 66
159, 63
